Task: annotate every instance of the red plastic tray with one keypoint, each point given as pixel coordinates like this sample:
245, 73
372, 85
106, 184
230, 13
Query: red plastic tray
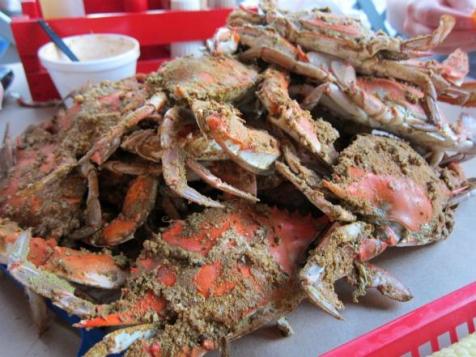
409, 333
154, 29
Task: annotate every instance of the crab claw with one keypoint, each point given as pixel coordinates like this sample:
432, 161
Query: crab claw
332, 260
43, 282
321, 294
371, 276
470, 87
173, 164
468, 190
254, 150
337, 256
465, 128
316, 135
214, 181
138, 203
420, 44
120, 340
224, 41
174, 161
92, 269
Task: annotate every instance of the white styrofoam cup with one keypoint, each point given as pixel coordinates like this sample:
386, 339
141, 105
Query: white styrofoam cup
101, 57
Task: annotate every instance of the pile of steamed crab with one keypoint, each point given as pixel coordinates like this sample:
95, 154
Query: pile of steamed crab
191, 206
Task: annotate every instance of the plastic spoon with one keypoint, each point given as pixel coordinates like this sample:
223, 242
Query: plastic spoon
57, 41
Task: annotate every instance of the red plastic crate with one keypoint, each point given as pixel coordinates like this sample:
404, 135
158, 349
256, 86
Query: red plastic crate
405, 335
154, 29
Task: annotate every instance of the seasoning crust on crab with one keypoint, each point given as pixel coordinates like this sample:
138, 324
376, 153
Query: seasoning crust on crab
189, 207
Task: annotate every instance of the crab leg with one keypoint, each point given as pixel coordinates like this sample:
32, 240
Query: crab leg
470, 87
308, 183
466, 192
108, 144
272, 48
78, 266
144, 143
313, 97
419, 45
465, 128
138, 203
236, 176
214, 181
43, 282
254, 150
133, 168
93, 206
447, 76
120, 340
369, 104
173, 162
131, 312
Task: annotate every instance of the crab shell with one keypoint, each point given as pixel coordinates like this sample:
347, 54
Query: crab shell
387, 182
218, 275
40, 188
399, 199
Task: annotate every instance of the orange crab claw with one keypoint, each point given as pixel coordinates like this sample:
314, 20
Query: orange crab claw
129, 314
82, 267
255, 150
139, 200
316, 135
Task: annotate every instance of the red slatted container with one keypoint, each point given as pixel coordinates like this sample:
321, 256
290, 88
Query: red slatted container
155, 29
453, 315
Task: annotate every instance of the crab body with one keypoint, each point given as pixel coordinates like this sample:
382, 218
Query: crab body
215, 276
188, 176
400, 201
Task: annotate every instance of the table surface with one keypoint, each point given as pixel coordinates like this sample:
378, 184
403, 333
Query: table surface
430, 272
